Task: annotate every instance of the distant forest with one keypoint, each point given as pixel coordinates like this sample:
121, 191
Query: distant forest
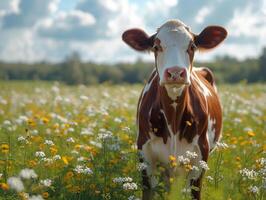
74, 71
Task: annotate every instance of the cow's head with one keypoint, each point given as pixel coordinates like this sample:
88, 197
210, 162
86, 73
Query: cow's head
174, 45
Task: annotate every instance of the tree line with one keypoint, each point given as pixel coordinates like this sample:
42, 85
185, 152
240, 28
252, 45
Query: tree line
73, 71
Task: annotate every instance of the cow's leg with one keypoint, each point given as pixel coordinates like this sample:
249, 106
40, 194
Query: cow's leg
195, 176
146, 184
195, 185
146, 173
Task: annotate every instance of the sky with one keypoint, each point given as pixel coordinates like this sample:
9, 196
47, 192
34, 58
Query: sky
38, 30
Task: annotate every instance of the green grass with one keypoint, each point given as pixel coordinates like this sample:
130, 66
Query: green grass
101, 122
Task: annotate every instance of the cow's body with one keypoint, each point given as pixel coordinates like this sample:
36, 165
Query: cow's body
179, 112
190, 123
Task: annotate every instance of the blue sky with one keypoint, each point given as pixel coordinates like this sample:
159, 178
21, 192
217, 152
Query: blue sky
36, 30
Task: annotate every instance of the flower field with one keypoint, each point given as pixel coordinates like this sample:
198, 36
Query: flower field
62, 142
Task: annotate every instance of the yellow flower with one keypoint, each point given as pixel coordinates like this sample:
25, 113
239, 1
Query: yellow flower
64, 158
4, 186
31, 122
251, 134
69, 175
32, 163
23, 196
172, 158
5, 148
45, 195
53, 150
188, 167
238, 158
45, 120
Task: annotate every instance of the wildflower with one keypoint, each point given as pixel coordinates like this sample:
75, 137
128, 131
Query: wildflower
46, 182
70, 140
15, 183
35, 132
69, 175
45, 120
203, 165
28, 174
118, 120
249, 174
183, 160
35, 197
209, 178
80, 159
32, 163
172, 158
7, 123
40, 154
186, 190
99, 145
130, 186
21, 139
5, 148
84, 98
251, 134
126, 129
122, 179
190, 154
53, 150
104, 134
261, 161
4, 186
74, 152
57, 157
45, 195
142, 166
195, 168
49, 142
253, 189
64, 158
81, 169
86, 131
221, 145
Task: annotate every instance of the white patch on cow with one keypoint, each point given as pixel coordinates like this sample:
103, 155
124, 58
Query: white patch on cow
211, 132
204, 90
174, 40
148, 85
174, 91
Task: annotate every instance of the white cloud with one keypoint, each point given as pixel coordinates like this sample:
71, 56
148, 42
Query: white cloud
38, 29
202, 14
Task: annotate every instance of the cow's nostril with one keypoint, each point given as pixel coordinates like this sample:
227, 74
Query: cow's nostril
182, 73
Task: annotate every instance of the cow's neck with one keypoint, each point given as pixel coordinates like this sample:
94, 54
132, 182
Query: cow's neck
173, 109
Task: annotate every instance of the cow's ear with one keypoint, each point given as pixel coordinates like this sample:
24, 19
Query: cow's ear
138, 39
210, 37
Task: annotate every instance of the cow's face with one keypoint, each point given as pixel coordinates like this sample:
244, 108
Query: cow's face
174, 45
174, 51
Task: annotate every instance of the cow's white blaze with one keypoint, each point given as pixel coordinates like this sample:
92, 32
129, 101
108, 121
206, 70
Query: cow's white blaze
174, 40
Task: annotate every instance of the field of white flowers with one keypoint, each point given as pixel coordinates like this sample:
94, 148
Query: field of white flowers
62, 142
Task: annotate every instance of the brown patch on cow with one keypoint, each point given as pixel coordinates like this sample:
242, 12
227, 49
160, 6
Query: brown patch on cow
191, 107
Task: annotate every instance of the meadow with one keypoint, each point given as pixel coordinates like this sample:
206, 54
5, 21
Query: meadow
78, 142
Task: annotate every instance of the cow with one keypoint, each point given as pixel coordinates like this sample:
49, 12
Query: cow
179, 110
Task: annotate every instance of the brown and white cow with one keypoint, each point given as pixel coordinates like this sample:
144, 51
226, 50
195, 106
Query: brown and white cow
179, 109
